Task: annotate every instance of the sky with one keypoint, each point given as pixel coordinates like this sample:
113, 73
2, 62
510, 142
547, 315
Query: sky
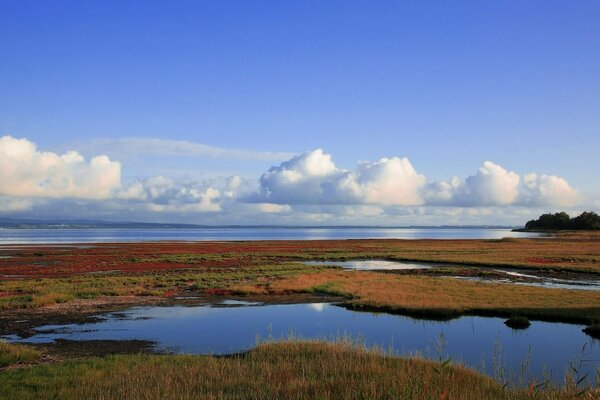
303, 112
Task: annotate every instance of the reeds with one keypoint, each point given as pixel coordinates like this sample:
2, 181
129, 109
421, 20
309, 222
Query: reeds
284, 370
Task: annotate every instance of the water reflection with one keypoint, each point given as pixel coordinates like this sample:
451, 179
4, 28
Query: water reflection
219, 330
29, 236
372, 265
510, 276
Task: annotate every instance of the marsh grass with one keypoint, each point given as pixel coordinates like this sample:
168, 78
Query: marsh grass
442, 298
284, 370
35, 293
14, 353
263, 268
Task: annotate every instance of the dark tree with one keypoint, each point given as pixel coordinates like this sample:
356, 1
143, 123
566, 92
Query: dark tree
560, 221
586, 220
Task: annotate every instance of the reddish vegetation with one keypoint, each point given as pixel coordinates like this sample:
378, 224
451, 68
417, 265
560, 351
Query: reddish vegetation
217, 292
30, 261
60, 261
538, 260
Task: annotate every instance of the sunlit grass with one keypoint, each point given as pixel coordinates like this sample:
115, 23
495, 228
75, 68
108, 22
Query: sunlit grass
159, 270
289, 370
35, 293
443, 297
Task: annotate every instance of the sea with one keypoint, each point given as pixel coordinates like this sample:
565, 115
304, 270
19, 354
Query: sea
110, 235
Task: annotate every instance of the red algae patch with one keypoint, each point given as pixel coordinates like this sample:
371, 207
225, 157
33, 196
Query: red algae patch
37, 261
537, 260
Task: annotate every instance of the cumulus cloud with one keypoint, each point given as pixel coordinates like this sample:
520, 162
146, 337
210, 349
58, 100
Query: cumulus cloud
313, 178
547, 190
27, 172
164, 194
494, 185
308, 187
389, 181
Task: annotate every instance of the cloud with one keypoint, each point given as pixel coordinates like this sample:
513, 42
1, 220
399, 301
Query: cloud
271, 208
305, 188
12, 204
389, 181
494, 185
162, 194
313, 178
547, 190
27, 172
126, 147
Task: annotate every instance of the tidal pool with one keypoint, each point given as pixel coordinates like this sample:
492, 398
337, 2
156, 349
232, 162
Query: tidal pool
512, 276
482, 343
539, 281
371, 265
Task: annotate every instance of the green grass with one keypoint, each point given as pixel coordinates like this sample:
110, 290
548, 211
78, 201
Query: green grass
13, 353
288, 370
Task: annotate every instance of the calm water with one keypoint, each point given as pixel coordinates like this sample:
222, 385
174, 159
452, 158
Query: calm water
220, 330
26, 236
539, 281
372, 265
528, 278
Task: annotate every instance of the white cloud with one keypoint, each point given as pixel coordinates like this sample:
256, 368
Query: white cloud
492, 185
440, 192
389, 181
313, 178
308, 188
27, 172
547, 190
271, 208
164, 194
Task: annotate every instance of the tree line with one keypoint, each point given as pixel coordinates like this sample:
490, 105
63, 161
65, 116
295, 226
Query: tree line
587, 220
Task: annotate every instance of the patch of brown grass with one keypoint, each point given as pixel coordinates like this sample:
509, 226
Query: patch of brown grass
422, 294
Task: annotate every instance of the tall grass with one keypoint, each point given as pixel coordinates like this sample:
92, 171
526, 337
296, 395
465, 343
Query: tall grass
14, 353
288, 370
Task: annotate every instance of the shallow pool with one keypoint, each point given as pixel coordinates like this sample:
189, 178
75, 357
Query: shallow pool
483, 343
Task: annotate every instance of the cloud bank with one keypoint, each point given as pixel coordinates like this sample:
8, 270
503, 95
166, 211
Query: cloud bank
307, 187
313, 178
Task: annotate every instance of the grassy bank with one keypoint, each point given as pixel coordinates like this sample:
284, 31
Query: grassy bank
289, 370
438, 297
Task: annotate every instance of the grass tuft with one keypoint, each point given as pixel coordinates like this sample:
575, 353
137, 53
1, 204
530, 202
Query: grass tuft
11, 354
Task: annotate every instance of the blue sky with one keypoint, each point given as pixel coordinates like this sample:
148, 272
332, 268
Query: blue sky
446, 85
